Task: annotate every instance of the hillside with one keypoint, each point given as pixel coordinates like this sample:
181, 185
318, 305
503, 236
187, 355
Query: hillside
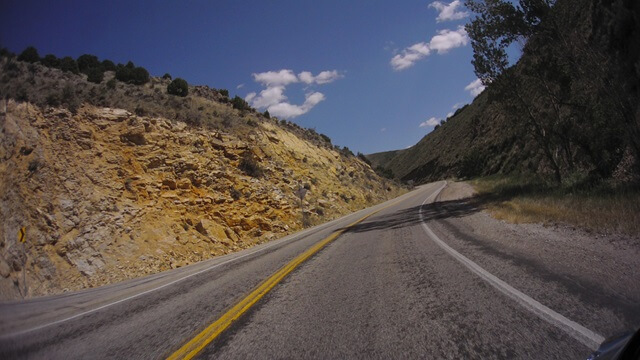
476, 139
566, 112
119, 185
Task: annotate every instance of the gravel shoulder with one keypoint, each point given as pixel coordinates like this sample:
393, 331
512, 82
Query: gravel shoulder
590, 278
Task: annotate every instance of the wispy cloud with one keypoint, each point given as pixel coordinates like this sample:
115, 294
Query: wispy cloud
449, 12
441, 43
430, 123
323, 77
475, 87
275, 101
283, 77
410, 56
240, 86
383, 130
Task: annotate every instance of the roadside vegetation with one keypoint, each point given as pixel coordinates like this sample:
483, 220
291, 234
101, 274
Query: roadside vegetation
605, 208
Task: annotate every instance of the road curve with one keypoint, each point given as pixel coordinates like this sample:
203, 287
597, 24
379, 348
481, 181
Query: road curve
382, 289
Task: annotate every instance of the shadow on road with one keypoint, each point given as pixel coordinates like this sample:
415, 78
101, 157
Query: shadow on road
411, 216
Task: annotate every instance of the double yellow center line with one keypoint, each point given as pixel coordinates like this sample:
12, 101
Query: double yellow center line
204, 338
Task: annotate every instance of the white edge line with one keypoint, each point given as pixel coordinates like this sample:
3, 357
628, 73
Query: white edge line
276, 242
577, 331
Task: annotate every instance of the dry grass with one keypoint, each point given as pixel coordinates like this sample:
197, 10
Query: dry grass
603, 209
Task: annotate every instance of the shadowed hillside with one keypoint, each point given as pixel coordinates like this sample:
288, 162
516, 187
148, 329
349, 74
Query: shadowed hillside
567, 111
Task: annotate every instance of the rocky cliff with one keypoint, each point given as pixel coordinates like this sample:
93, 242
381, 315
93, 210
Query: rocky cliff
106, 195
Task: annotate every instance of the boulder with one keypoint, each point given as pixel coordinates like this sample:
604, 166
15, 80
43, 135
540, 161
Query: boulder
212, 229
135, 134
5, 269
113, 114
184, 184
170, 183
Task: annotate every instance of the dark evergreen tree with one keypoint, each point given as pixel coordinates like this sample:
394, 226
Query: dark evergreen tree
30, 55
178, 87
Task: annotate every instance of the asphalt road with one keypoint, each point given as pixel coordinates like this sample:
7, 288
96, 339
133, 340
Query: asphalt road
385, 288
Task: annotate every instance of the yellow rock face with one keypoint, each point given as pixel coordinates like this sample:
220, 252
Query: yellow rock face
107, 195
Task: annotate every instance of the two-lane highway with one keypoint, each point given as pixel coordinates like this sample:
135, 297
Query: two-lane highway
374, 284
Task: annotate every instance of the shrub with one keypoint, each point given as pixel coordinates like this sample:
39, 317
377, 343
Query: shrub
131, 74
95, 75
235, 194
387, 173
34, 165
53, 99
226, 120
87, 62
111, 84
266, 114
362, 157
167, 76
51, 61
108, 65
4, 52
239, 103
70, 99
224, 92
21, 93
346, 151
249, 165
123, 72
471, 165
178, 87
68, 64
140, 76
140, 110
325, 138
30, 55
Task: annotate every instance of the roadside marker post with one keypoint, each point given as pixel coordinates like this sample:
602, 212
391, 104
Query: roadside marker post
22, 238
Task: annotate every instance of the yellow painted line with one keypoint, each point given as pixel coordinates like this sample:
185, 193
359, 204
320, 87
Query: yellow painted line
204, 338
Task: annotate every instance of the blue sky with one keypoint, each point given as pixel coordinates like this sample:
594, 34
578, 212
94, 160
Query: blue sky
384, 72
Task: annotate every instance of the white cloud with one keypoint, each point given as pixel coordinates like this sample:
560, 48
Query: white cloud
287, 110
457, 105
383, 130
323, 77
410, 55
240, 86
431, 122
267, 97
449, 12
283, 77
475, 87
273, 98
450, 114
449, 39
441, 43
306, 77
